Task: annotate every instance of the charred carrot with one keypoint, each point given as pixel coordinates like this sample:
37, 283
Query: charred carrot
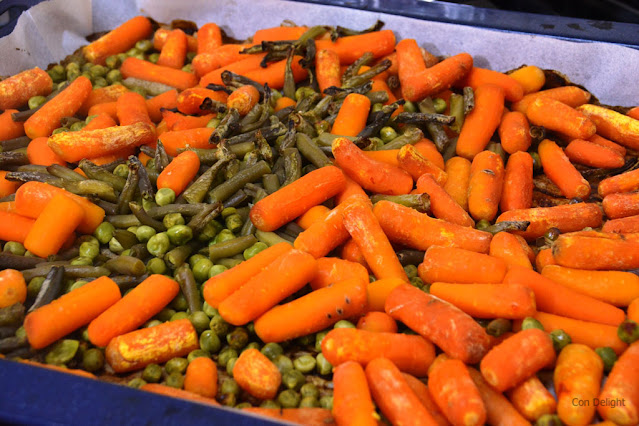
331, 270
283, 277
623, 225
101, 121
352, 403
624, 182
485, 185
45, 120
513, 90
209, 38
321, 308
190, 100
532, 399
351, 48
327, 69
15, 91
158, 344
570, 95
71, 311
180, 172
597, 251
13, 288
456, 265
620, 205
531, 78
313, 215
621, 386
593, 155
118, 40
273, 74
166, 100
243, 99
74, 146
452, 330
514, 132
458, 171
144, 70
221, 286
291, 201
135, 308
177, 393
256, 374
517, 192
411, 160
102, 95
201, 377
131, 109
613, 125
160, 35
310, 416
436, 78
517, 358
377, 322
195, 138
372, 175
559, 117
557, 299
10, 129
352, 116
442, 205
38, 152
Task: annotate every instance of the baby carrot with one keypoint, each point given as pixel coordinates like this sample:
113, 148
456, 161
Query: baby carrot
131, 108
256, 374
221, 286
352, 116
291, 201
456, 265
209, 38
557, 299
327, 69
512, 248
621, 387
313, 215
453, 331
186, 122
633, 310
134, 309
480, 124
310, 416
423, 394
619, 205
45, 120
54, 225
13, 289
485, 185
350, 251
597, 251
273, 74
190, 100
283, 277
531, 78
455, 393
458, 172
593, 155
160, 35
517, 192
109, 108
101, 121
577, 376
436, 78
144, 70
278, 33
177, 393
74, 146
331, 270
204, 63
7, 187
102, 95
599, 140
410, 353
319, 309
137, 349
570, 95
201, 377
393, 396
372, 175
243, 99
351, 48
624, 182
513, 90
428, 149
517, 358
118, 40
180, 172
15, 91
623, 225
633, 112
409, 59
442, 205
71, 311
364, 228
352, 403
10, 129
532, 399
323, 236
419, 231
613, 125
154, 106
559, 117
39, 153
514, 132
284, 102
240, 66
377, 322
411, 160
565, 217
7, 206
195, 138
14, 227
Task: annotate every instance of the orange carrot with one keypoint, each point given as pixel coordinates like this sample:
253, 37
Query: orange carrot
485, 185
514, 132
309, 416
621, 205
532, 399
633, 310
409, 59
209, 38
623, 225
102, 95
109, 108
453, 331
370, 174
608, 144
243, 99
517, 358
13, 289
442, 205
190, 100
178, 393
322, 237
570, 95
131, 109
15, 91
597, 251
74, 146
14, 227
613, 125
377, 322
512, 248
158, 344
387, 156
565, 217
593, 155
428, 149
352, 403
331, 270
557, 299
278, 33
160, 35
39, 153
393, 395
133, 310
352, 115
101, 121
252, 62
633, 112
313, 215
319, 309
327, 69
531, 78
256, 374
624, 182
456, 265
45, 120
10, 129
204, 63
71, 311
7, 187
559, 117
201, 377
281, 278
351, 188
118, 40
517, 192
379, 290
58, 220
284, 102
180, 172
32, 198
513, 90
351, 48
273, 74
419, 231
621, 386
166, 100
8, 206
221, 286
482, 121
455, 393
423, 394
411, 160
185, 122
144, 70
291, 201
458, 172
436, 78
195, 138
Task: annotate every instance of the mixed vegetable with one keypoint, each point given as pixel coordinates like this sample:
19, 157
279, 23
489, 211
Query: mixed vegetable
322, 225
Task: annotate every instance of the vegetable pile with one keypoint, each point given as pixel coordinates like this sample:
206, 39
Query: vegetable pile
322, 225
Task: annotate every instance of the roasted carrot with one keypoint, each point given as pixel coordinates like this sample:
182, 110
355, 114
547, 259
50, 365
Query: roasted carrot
372, 175
517, 192
190, 100
429, 150
570, 95
109, 108
419, 231
118, 40
71, 311
320, 309
7, 206
45, 120
476, 77
310, 416
14, 227
620, 205
13, 289
351, 48
393, 395
201, 377
613, 125
58, 220
102, 95
15, 91
512, 248
423, 394
481, 122
180, 172
278, 33
409, 59
455, 393
559, 117
593, 155
177, 393
10, 129
204, 63
331, 270
411, 160
352, 115
452, 330
531, 78
242, 66
485, 185
186, 122
166, 100
221, 286
532, 399
313, 215
624, 182
101, 121
284, 102
442, 205
377, 322
209, 38
256, 374
514, 132
621, 387
379, 290
7, 187
144, 70
243, 99
137, 349
633, 310
633, 112
74, 146
135, 308
131, 108
273, 74
291, 201
160, 35
40, 154
599, 140
323, 236
352, 403
456, 265
436, 78
195, 138
623, 225
281, 278
458, 171
327, 69
597, 251
351, 188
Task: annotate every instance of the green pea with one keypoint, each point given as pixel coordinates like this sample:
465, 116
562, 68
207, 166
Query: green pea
326, 402
304, 92
628, 331
411, 271
209, 310
73, 66
549, 420
172, 219
144, 233
417, 282
190, 56
62, 352
309, 390
144, 45
305, 363
482, 224
98, 71
608, 356
530, 322
243, 405
254, 249
113, 76
293, 379
34, 286
136, 383
377, 107
560, 339
309, 402
164, 196
153, 57
229, 386
175, 380
88, 75
73, 74
147, 203
216, 270
223, 235
89, 250
200, 321
112, 61
156, 266
275, 95
269, 403
100, 82
86, 67
219, 326
410, 107
536, 161
210, 342
133, 52
121, 170
82, 261
344, 324
440, 105
238, 338
552, 234
210, 231
152, 323
36, 101
179, 302
228, 399
115, 246
165, 314
197, 353
93, 360
104, 232
14, 247
78, 125
179, 234
234, 222
323, 366
272, 350
57, 73
318, 340
152, 373
252, 345
289, 398
177, 364
387, 134
76, 285
225, 355
187, 68
229, 366
158, 244
283, 363
179, 316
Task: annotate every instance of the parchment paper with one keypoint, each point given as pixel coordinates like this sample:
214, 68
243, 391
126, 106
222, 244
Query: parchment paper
51, 30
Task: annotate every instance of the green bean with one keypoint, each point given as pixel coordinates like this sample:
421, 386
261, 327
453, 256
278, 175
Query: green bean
230, 79
12, 343
50, 289
189, 288
12, 314
231, 247
419, 202
92, 187
205, 216
150, 87
33, 176
457, 111
410, 136
264, 115
229, 124
12, 261
177, 256
13, 144
198, 189
292, 165
126, 282
157, 212
274, 130
508, 226
469, 99
229, 187
436, 130
70, 271
271, 182
64, 173
310, 150
289, 82
497, 149
13, 158
126, 265
270, 238
98, 173
379, 97
146, 220
122, 221
361, 78
126, 238
9, 330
